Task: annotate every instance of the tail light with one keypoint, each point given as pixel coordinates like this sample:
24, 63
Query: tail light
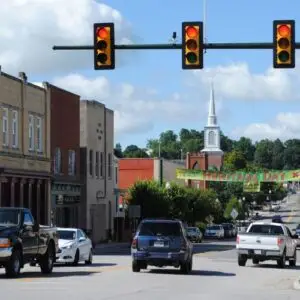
280, 241
134, 244
237, 239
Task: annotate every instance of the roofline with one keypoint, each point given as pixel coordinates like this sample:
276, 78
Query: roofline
49, 85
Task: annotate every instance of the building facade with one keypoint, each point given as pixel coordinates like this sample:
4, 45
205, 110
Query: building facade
25, 146
65, 156
98, 207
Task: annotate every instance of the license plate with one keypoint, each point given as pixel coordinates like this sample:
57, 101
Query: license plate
257, 251
159, 244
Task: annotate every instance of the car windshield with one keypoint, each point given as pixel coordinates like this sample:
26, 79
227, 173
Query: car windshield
192, 229
213, 228
67, 235
9, 217
266, 229
160, 229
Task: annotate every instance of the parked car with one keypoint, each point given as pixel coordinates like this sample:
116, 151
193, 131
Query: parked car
161, 243
74, 247
23, 240
297, 232
228, 230
216, 231
242, 225
194, 234
277, 219
267, 241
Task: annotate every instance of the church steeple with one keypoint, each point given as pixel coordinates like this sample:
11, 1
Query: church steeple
212, 117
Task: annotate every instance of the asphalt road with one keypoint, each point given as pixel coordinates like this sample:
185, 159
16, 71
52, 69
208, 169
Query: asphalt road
215, 275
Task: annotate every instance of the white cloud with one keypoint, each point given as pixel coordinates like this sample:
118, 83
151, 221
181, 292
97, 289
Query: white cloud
284, 126
29, 29
235, 81
137, 110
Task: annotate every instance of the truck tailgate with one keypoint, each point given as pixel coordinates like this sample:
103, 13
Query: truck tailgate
253, 242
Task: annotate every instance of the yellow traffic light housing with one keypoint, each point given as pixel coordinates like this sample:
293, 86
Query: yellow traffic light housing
192, 45
284, 44
104, 46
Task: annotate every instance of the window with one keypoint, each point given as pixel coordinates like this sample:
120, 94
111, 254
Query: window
5, 127
109, 165
57, 161
116, 174
160, 229
39, 141
14, 129
211, 138
71, 163
28, 220
91, 162
101, 164
97, 164
31, 132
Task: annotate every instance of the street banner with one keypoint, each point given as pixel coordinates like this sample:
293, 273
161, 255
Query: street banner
239, 176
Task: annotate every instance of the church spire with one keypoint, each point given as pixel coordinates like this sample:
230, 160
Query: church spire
212, 117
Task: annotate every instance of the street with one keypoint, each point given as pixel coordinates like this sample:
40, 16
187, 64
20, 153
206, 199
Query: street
215, 275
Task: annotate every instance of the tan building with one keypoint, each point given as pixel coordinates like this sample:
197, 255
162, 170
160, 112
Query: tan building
25, 146
98, 205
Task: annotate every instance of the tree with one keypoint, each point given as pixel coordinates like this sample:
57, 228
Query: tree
134, 151
234, 160
292, 154
263, 153
234, 203
278, 155
118, 150
245, 146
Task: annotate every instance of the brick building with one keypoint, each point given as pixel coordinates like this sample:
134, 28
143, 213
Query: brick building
65, 156
25, 146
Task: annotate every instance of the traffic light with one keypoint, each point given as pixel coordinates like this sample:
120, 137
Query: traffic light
284, 44
192, 45
104, 46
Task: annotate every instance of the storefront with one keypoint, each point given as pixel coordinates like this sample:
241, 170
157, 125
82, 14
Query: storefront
65, 204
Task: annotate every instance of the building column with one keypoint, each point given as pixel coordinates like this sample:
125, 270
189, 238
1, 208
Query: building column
12, 191
30, 183
38, 201
22, 183
47, 203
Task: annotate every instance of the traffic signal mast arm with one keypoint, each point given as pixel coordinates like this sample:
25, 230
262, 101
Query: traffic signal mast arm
213, 46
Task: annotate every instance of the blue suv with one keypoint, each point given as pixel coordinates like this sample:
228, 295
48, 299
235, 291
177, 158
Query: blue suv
161, 243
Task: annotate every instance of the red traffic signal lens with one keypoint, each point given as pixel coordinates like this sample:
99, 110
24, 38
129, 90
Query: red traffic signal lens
284, 30
191, 45
192, 32
102, 33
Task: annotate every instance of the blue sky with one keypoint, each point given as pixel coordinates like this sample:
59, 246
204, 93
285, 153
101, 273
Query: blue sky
148, 90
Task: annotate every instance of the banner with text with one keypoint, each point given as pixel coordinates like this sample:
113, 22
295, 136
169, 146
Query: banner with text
238, 176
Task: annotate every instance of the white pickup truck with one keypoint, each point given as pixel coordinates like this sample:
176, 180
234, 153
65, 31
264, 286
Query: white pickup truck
267, 241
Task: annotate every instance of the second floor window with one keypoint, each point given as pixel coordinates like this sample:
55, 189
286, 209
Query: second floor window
39, 141
97, 164
15, 125
57, 161
31, 132
5, 127
109, 165
101, 164
91, 162
72, 162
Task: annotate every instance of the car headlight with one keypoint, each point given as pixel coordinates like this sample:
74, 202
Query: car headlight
5, 243
71, 246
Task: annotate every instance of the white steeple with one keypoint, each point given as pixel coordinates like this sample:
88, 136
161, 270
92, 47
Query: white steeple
212, 135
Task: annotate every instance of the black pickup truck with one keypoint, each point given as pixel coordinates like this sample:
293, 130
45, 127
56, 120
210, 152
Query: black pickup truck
22, 241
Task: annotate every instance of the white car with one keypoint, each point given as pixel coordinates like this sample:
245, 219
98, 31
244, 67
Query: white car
74, 247
216, 231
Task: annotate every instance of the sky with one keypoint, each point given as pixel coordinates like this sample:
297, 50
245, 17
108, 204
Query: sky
148, 91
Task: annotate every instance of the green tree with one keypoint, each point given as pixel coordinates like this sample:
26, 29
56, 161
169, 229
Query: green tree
278, 155
263, 153
234, 203
118, 150
292, 154
234, 160
134, 151
245, 146
151, 197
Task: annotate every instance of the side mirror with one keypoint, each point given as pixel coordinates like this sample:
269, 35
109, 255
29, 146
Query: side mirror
82, 239
27, 227
294, 229
295, 236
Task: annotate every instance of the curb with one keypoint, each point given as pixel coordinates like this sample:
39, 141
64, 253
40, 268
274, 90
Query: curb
297, 284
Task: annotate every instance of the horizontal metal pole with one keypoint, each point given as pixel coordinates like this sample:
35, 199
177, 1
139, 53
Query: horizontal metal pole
223, 46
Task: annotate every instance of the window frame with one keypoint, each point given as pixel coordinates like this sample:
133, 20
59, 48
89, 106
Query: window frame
97, 165
39, 134
31, 132
14, 127
109, 165
71, 162
5, 135
91, 162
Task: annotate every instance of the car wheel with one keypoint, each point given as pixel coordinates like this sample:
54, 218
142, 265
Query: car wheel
136, 266
242, 260
13, 267
186, 267
76, 258
293, 261
281, 261
47, 260
255, 261
90, 259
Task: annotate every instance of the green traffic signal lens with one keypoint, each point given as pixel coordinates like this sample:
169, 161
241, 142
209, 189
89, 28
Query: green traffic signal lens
191, 57
191, 45
283, 43
102, 45
102, 58
284, 56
